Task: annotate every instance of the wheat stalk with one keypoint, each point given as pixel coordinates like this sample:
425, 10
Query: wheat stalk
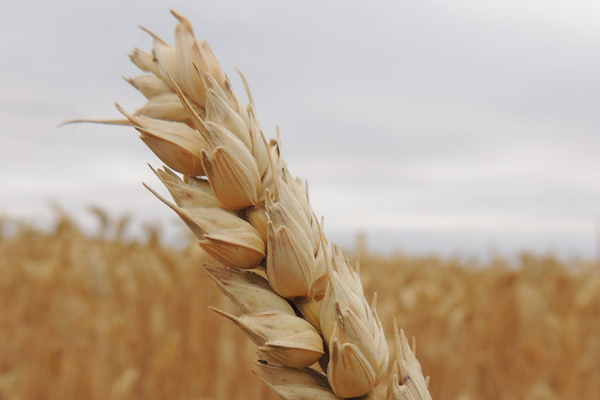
300, 300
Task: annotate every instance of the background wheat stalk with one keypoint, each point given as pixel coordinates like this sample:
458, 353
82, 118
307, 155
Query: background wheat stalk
299, 298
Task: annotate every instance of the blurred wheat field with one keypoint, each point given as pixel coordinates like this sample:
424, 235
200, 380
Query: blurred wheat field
102, 317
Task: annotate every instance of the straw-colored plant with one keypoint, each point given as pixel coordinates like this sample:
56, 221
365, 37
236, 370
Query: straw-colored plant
299, 298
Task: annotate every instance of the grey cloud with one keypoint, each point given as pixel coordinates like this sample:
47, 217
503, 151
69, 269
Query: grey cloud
394, 111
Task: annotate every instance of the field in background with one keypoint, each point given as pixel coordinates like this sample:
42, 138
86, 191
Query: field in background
107, 318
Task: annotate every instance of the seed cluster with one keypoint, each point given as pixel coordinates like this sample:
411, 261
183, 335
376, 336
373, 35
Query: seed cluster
300, 299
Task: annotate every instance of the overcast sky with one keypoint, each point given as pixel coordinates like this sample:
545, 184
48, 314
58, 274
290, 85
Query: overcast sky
433, 126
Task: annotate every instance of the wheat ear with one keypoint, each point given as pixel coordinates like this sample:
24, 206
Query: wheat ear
299, 298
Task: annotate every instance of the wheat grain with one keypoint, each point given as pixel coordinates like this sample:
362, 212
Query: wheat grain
239, 199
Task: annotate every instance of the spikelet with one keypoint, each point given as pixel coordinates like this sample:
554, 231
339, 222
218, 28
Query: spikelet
291, 267
296, 384
190, 194
304, 303
407, 381
248, 291
282, 338
358, 355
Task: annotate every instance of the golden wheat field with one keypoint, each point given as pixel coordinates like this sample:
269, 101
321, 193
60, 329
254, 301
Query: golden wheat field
103, 317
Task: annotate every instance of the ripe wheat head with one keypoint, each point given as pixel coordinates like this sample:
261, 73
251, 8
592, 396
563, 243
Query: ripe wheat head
299, 298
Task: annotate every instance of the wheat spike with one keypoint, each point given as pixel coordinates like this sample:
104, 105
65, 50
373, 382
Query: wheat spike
249, 213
